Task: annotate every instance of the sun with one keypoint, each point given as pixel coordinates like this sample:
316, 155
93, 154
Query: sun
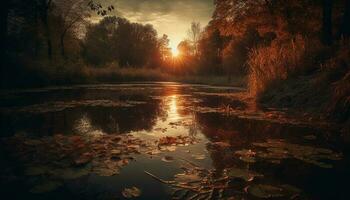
174, 52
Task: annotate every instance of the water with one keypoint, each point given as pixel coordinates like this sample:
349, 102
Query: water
92, 142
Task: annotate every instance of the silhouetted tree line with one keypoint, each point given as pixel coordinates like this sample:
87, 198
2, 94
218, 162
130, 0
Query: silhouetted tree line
59, 35
118, 40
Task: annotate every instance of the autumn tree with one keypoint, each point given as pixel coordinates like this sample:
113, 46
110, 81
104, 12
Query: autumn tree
210, 48
164, 49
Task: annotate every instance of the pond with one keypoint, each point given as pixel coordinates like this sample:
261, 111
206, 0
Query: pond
161, 141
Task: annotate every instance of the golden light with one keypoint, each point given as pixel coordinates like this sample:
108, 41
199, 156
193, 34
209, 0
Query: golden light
174, 52
173, 111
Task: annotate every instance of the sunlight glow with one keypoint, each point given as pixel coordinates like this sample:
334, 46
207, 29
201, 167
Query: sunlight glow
173, 112
174, 52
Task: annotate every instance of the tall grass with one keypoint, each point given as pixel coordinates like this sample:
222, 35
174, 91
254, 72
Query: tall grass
116, 74
270, 64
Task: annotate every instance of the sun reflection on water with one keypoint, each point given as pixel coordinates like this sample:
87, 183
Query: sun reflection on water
173, 108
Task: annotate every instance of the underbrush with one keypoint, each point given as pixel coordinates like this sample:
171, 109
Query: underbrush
304, 75
268, 65
39, 73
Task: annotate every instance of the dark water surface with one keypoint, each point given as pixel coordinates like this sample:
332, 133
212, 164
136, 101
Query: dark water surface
93, 142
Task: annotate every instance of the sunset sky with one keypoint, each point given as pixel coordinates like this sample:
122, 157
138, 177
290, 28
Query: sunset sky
168, 17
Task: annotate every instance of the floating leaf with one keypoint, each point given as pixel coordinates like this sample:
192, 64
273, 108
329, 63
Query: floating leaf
310, 137
279, 149
131, 192
70, 173
187, 177
199, 156
47, 186
36, 170
265, 191
83, 159
246, 155
221, 144
168, 159
242, 173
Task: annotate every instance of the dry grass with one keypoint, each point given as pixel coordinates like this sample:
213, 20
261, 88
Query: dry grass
336, 72
116, 74
271, 64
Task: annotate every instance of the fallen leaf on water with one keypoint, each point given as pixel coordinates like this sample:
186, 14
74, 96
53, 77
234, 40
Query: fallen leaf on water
187, 177
36, 170
131, 192
269, 191
265, 191
83, 159
199, 156
153, 152
221, 144
310, 137
242, 173
46, 186
168, 159
70, 173
246, 155
275, 149
171, 148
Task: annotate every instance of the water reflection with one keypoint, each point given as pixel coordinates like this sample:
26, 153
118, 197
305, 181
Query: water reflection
154, 112
173, 112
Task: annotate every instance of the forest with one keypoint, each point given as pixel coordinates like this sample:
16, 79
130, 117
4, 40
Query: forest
99, 99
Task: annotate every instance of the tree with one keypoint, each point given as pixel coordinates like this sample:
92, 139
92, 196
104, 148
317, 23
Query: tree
116, 39
327, 36
164, 49
44, 7
210, 48
345, 24
185, 48
194, 36
73, 14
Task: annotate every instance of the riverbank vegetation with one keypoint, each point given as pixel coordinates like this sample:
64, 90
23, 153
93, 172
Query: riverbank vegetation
293, 54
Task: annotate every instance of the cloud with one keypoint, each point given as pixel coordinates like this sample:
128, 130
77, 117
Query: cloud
171, 17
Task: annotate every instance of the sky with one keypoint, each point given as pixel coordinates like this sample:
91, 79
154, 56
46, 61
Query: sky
171, 17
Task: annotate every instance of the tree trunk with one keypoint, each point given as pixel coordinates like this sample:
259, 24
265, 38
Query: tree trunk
345, 26
327, 36
63, 54
4, 10
3, 23
48, 36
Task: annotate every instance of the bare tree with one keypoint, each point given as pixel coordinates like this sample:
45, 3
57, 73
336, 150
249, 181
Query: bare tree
45, 7
74, 13
194, 36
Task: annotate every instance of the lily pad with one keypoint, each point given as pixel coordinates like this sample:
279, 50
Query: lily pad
310, 137
70, 173
221, 144
168, 159
242, 173
187, 177
199, 156
246, 155
131, 192
279, 149
36, 170
269, 191
46, 186
265, 191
